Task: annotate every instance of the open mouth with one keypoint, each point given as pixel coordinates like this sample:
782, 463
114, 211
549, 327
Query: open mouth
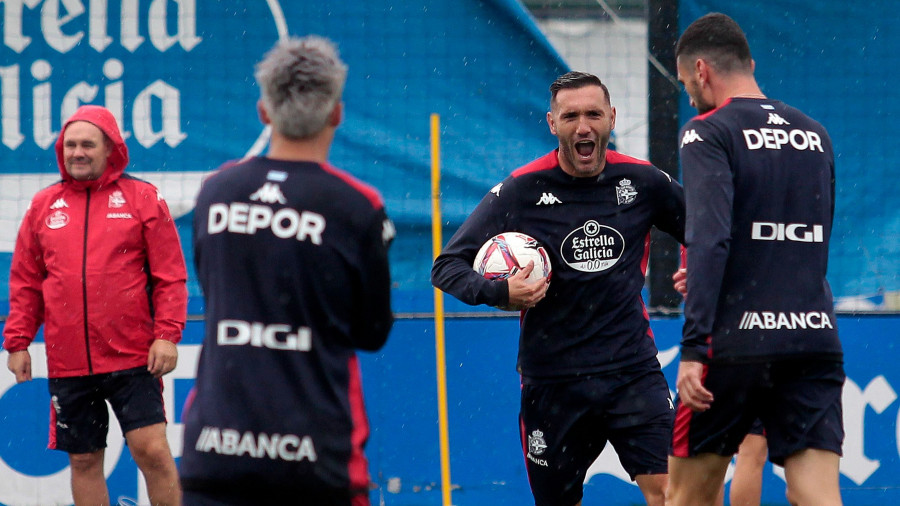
585, 148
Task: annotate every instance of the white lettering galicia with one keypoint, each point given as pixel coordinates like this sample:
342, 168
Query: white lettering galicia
61, 30
242, 218
775, 138
769, 320
288, 447
593, 253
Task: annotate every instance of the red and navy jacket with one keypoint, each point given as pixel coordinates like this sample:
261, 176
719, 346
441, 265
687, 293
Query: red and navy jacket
759, 186
597, 234
292, 258
91, 260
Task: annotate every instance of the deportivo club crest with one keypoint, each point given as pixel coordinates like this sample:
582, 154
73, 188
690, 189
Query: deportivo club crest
57, 219
116, 200
625, 193
536, 443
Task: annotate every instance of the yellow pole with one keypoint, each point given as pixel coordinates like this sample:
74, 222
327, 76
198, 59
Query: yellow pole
439, 343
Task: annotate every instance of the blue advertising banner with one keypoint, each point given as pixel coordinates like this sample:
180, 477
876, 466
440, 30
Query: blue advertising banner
487, 463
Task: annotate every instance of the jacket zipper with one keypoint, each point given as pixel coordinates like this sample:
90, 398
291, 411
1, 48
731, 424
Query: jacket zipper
84, 295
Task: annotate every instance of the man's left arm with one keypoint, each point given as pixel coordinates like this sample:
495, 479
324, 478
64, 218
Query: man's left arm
168, 278
670, 211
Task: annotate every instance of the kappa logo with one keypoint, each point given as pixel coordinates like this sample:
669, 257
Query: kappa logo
689, 137
496, 190
59, 204
625, 192
269, 193
388, 231
775, 119
116, 200
547, 199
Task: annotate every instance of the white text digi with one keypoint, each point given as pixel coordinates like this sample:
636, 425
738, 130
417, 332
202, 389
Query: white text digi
797, 232
242, 218
275, 336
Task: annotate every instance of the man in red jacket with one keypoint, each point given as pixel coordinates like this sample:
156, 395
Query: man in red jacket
98, 262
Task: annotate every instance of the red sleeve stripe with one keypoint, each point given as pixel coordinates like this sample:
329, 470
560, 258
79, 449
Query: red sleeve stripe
645, 259
545, 162
710, 113
51, 444
358, 466
616, 157
368, 191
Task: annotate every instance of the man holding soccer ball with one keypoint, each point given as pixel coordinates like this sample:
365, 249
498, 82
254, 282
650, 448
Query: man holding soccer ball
586, 353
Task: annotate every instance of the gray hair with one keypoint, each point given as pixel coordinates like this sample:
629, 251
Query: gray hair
301, 80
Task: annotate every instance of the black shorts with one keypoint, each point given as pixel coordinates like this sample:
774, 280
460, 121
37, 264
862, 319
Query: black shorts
798, 402
566, 425
757, 428
79, 418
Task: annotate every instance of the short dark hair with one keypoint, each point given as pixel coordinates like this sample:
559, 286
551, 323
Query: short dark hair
574, 80
718, 39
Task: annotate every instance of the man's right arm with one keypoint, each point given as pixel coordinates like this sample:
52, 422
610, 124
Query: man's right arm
373, 322
26, 299
452, 271
709, 196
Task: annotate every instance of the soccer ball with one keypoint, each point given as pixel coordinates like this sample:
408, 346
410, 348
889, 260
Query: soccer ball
504, 254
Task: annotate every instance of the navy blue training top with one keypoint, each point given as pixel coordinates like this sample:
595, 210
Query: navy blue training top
759, 187
292, 258
596, 232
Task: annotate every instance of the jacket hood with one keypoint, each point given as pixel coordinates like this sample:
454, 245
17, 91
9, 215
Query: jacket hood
118, 158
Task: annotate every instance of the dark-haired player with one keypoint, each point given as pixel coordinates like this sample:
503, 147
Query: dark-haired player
586, 353
292, 257
759, 338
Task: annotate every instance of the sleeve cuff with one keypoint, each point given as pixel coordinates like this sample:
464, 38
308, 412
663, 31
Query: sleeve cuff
173, 337
692, 354
17, 344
